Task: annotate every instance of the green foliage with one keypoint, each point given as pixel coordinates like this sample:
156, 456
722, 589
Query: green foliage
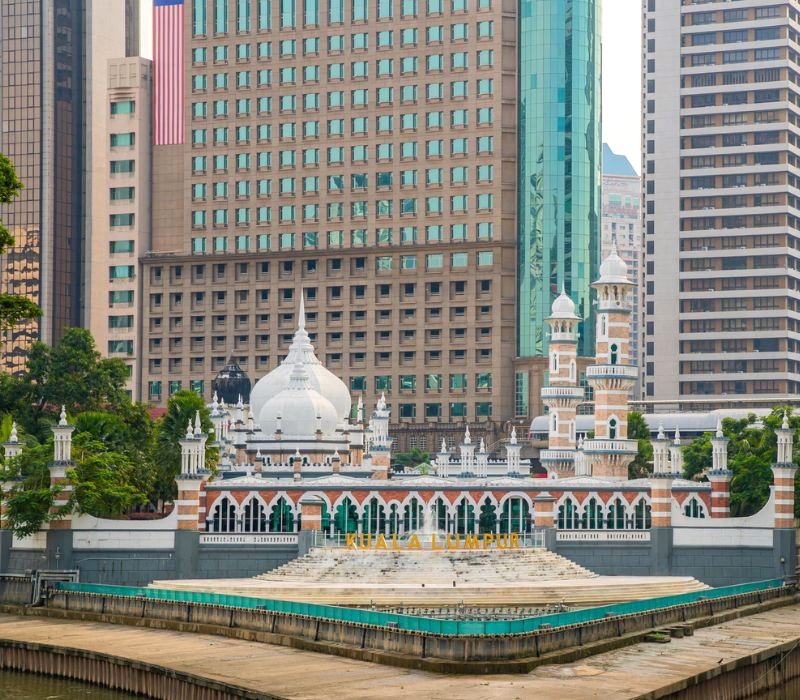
29, 502
13, 309
752, 448
74, 373
169, 430
638, 430
411, 459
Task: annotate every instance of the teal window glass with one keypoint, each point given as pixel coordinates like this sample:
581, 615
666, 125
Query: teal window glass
242, 15
220, 16
483, 409
122, 194
433, 382
483, 380
120, 247
264, 16
359, 10
122, 166
199, 17
121, 220
123, 107
310, 13
288, 16
127, 139
458, 409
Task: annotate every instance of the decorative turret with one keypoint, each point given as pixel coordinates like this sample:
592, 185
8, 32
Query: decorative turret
661, 453
481, 460
783, 472
380, 444
513, 452
562, 395
62, 461
676, 456
443, 460
12, 447
720, 476
467, 454
613, 374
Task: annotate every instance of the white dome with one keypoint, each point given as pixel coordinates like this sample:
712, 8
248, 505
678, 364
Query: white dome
613, 270
563, 307
322, 380
299, 409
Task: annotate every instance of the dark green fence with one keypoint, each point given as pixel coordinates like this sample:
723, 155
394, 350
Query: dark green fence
415, 622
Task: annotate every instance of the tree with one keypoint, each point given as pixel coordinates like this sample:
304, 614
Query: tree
642, 464
169, 430
411, 459
29, 503
73, 373
13, 309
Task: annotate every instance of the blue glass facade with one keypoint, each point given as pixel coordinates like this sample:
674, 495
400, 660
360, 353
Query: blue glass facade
559, 164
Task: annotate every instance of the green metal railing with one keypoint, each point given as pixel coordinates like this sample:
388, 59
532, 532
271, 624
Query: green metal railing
418, 623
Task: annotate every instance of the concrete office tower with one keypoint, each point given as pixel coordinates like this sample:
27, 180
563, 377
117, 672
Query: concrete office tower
719, 168
559, 165
121, 194
622, 224
362, 154
50, 53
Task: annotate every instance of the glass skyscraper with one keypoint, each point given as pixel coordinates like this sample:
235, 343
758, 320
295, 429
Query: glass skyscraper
559, 164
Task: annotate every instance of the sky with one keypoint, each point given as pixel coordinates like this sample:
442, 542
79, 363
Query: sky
622, 41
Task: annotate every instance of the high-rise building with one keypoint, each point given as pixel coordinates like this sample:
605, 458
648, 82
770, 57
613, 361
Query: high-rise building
721, 219
362, 155
50, 52
622, 224
559, 165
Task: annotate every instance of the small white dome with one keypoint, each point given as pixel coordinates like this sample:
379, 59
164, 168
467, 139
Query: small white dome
613, 270
299, 409
563, 307
323, 380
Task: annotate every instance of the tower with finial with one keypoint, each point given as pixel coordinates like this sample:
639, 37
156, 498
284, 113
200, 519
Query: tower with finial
380, 444
443, 460
513, 453
613, 374
467, 454
783, 475
720, 476
562, 395
62, 462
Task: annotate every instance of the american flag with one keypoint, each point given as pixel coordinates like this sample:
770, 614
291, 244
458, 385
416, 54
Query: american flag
168, 72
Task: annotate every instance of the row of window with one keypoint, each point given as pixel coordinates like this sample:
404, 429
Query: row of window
357, 238
222, 16
333, 100
290, 213
335, 184
359, 126
431, 382
336, 72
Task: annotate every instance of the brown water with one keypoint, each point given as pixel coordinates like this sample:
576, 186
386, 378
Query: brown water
25, 686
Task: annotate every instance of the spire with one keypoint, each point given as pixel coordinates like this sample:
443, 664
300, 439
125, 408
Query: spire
197, 428
482, 447
785, 424
13, 437
513, 440
444, 446
301, 319
63, 417
661, 435
613, 246
677, 440
215, 404
189, 431
360, 409
240, 403
719, 428
467, 437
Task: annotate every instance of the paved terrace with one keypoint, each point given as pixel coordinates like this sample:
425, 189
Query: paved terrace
291, 673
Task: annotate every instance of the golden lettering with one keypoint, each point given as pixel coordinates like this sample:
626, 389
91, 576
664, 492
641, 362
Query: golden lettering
502, 541
470, 542
413, 542
361, 544
514, 540
487, 540
350, 542
394, 542
434, 546
380, 543
453, 543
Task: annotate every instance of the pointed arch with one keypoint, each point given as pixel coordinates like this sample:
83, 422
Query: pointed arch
568, 513
223, 515
254, 514
693, 507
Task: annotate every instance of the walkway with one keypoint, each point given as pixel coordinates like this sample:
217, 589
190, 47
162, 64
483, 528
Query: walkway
298, 674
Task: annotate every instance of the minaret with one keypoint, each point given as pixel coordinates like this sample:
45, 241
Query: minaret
613, 374
482, 461
661, 452
190, 481
562, 393
12, 447
380, 445
720, 476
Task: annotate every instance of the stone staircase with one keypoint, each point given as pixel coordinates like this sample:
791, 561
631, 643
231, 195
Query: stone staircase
384, 579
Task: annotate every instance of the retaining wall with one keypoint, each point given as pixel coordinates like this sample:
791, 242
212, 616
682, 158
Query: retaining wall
449, 653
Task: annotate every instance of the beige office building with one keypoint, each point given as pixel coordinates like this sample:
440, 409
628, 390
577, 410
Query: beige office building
361, 155
721, 215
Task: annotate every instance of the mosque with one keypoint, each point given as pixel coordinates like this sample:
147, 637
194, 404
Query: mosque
299, 441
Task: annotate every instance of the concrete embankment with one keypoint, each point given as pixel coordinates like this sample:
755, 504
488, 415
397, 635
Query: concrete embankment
737, 659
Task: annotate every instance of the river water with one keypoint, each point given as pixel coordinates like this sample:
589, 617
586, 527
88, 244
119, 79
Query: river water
25, 686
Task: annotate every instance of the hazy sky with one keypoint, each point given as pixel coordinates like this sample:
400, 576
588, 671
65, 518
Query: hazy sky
622, 40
